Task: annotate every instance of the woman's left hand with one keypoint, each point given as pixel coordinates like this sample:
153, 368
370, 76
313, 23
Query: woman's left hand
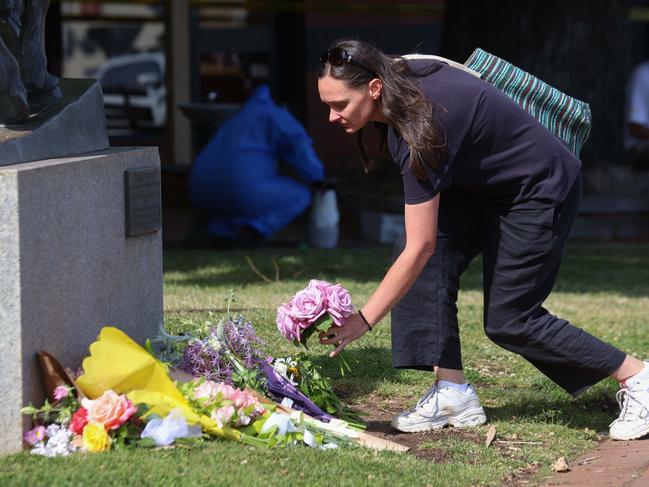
341, 336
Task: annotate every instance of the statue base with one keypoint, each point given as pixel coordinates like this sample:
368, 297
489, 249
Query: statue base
72, 124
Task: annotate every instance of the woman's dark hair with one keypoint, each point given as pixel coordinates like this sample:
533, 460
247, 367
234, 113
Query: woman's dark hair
403, 103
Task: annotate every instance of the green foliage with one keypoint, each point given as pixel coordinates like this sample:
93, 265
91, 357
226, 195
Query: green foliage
60, 411
304, 373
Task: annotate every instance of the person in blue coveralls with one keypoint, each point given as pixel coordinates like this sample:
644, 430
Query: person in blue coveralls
236, 178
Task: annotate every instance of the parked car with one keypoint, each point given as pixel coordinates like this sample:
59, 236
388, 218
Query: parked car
134, 90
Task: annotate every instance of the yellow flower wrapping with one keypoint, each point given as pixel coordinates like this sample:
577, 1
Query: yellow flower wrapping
117, 362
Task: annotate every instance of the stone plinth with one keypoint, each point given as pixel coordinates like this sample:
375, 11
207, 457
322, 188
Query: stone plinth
67, 267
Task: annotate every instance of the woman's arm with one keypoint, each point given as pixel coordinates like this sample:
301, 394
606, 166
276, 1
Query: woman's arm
421, 233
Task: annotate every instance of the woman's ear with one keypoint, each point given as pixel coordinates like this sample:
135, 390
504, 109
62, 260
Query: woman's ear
375, 88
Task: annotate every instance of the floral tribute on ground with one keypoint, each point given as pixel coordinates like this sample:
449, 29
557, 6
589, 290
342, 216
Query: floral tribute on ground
69, 425
214, 384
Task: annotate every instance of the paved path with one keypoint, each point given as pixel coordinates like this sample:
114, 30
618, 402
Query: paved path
612, 463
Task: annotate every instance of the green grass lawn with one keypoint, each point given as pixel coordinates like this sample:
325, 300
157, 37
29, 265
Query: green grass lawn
602, 288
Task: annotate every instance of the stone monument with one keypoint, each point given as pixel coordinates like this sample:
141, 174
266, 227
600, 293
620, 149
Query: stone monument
80, 238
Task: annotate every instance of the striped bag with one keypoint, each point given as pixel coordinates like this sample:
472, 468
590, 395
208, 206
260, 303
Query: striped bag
567, 117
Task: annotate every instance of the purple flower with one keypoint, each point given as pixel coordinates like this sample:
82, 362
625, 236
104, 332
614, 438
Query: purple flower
308, 305
339, 303
60, 392
202, 359
245, 343
35, 435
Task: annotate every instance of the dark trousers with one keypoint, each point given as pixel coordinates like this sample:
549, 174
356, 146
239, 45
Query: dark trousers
521, 252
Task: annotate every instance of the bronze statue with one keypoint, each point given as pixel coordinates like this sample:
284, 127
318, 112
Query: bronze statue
24, 79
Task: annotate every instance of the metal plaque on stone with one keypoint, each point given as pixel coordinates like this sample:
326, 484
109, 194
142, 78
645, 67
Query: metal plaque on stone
143, 206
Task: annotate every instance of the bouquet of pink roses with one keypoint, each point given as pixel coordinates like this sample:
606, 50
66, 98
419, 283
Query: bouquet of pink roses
316, 308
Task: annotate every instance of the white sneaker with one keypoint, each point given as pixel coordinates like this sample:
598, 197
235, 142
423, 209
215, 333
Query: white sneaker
442, 406
633, 399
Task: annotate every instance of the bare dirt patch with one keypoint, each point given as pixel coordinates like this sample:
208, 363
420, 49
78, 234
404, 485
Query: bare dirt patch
378, 414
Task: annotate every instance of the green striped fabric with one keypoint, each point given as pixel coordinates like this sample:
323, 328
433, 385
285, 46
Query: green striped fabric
565, 116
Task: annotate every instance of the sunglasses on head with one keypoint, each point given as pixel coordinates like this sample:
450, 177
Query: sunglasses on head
338, 57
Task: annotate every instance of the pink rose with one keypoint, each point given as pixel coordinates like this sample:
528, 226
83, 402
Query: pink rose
322, 285
308, 305
286, 324
111, 410
339, 303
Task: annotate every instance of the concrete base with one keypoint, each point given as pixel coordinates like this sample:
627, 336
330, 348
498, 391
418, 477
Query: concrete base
68, 269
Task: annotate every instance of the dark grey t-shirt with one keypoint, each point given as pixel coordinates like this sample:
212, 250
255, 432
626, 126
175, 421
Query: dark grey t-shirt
495, 149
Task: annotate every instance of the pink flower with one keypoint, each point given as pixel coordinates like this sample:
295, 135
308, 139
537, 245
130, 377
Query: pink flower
242, 399
339, 303
111, 410
35, 435
226, 390
308, 305
60, 392
208, 390
322, 285
286, 324
223, 415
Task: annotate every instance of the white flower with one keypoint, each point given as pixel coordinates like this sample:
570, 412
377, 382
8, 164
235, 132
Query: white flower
282, 421
57, 444
309, 438
165, 431
242, 418
287, 402
282, 366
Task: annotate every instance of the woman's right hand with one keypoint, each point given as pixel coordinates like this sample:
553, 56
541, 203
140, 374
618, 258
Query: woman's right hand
341, 336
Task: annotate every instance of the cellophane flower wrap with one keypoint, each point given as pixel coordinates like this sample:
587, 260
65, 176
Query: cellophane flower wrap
315, 308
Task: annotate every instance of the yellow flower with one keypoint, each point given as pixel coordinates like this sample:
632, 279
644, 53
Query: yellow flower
95, 437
